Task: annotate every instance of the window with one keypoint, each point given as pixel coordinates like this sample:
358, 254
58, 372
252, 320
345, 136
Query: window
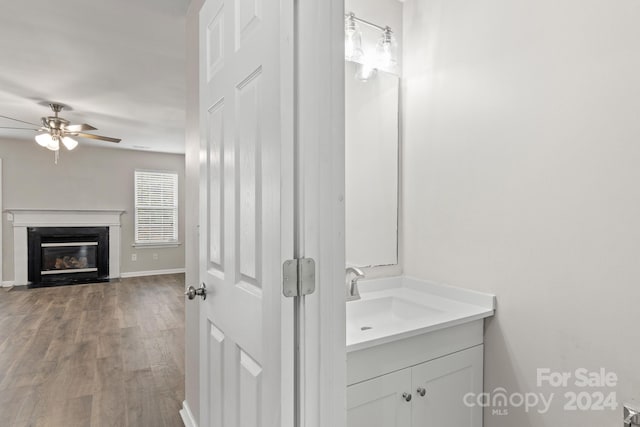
156, 207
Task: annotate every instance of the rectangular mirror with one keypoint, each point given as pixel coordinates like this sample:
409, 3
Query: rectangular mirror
371, 163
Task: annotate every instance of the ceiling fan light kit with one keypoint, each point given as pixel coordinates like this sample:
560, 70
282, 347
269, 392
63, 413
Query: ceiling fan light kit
56, 130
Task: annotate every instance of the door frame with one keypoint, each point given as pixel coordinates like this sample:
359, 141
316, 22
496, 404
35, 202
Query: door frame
190, 412
318, 96
321, 159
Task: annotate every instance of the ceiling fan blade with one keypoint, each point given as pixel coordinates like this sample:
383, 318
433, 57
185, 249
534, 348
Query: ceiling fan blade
9, 127
101, 138
79, 128
18, 120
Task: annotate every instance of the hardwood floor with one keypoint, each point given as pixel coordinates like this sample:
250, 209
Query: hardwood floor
106, 354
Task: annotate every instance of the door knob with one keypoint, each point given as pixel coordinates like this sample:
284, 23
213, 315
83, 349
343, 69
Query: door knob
421, 391
192, 292
406, 397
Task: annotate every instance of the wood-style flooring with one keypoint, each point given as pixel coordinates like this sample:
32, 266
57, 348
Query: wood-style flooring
106, 354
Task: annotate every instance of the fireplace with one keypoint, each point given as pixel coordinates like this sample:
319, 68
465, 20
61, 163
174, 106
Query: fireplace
23, 219
67, 255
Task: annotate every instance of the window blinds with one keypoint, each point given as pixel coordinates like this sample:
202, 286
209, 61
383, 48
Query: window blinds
156, 207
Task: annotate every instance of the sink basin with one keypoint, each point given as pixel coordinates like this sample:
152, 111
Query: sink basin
398, 308
384, 312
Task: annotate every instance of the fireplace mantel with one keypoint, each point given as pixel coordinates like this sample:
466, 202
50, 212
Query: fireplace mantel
24, 218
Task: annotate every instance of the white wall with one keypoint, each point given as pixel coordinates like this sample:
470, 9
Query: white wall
522, 178
86, 178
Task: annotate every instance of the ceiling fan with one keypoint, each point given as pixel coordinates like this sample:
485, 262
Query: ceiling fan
55, 130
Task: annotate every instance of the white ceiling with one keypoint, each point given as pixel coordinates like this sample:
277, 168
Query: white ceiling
119, 65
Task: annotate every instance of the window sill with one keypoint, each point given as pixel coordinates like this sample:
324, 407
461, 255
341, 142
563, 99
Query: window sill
156, 245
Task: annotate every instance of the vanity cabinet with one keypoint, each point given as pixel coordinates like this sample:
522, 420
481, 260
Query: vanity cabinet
418, 382
445, 382
428, 394
379, 402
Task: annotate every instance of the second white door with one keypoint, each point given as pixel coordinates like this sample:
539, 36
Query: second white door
244, 235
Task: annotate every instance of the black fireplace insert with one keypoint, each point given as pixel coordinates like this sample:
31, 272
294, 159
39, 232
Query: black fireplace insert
67, 255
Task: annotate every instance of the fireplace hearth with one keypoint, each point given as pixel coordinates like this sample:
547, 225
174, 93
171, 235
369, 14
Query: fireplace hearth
67, 255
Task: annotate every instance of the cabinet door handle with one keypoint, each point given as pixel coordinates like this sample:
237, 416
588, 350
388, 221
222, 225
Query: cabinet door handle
406, 397
421, 391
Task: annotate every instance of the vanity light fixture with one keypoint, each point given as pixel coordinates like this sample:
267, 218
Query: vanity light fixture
385, 55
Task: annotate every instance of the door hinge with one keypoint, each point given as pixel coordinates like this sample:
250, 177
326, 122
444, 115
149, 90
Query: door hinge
298, 277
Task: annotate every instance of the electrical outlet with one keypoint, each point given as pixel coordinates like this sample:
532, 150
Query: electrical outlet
134, 257
155, 256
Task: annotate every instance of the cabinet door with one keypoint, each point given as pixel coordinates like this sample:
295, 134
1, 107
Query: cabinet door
379, 402
445, 382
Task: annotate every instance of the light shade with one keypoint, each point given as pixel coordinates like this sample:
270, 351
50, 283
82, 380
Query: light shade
44, 139
54, 145
386, 50
352, 40
70, 143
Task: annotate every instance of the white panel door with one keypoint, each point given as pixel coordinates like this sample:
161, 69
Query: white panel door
245, 186
444, 383
381, 402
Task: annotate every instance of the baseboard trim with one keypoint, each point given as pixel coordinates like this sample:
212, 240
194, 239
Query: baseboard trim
151, 273
10, 283
187, 416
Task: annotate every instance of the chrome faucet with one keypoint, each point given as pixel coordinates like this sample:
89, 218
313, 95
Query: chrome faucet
352, 289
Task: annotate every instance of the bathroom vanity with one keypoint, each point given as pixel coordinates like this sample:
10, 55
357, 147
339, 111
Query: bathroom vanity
414, 351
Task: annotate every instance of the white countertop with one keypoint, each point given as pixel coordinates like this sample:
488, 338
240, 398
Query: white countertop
401, 307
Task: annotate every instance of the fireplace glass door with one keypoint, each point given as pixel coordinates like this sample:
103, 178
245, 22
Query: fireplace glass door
75, 257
